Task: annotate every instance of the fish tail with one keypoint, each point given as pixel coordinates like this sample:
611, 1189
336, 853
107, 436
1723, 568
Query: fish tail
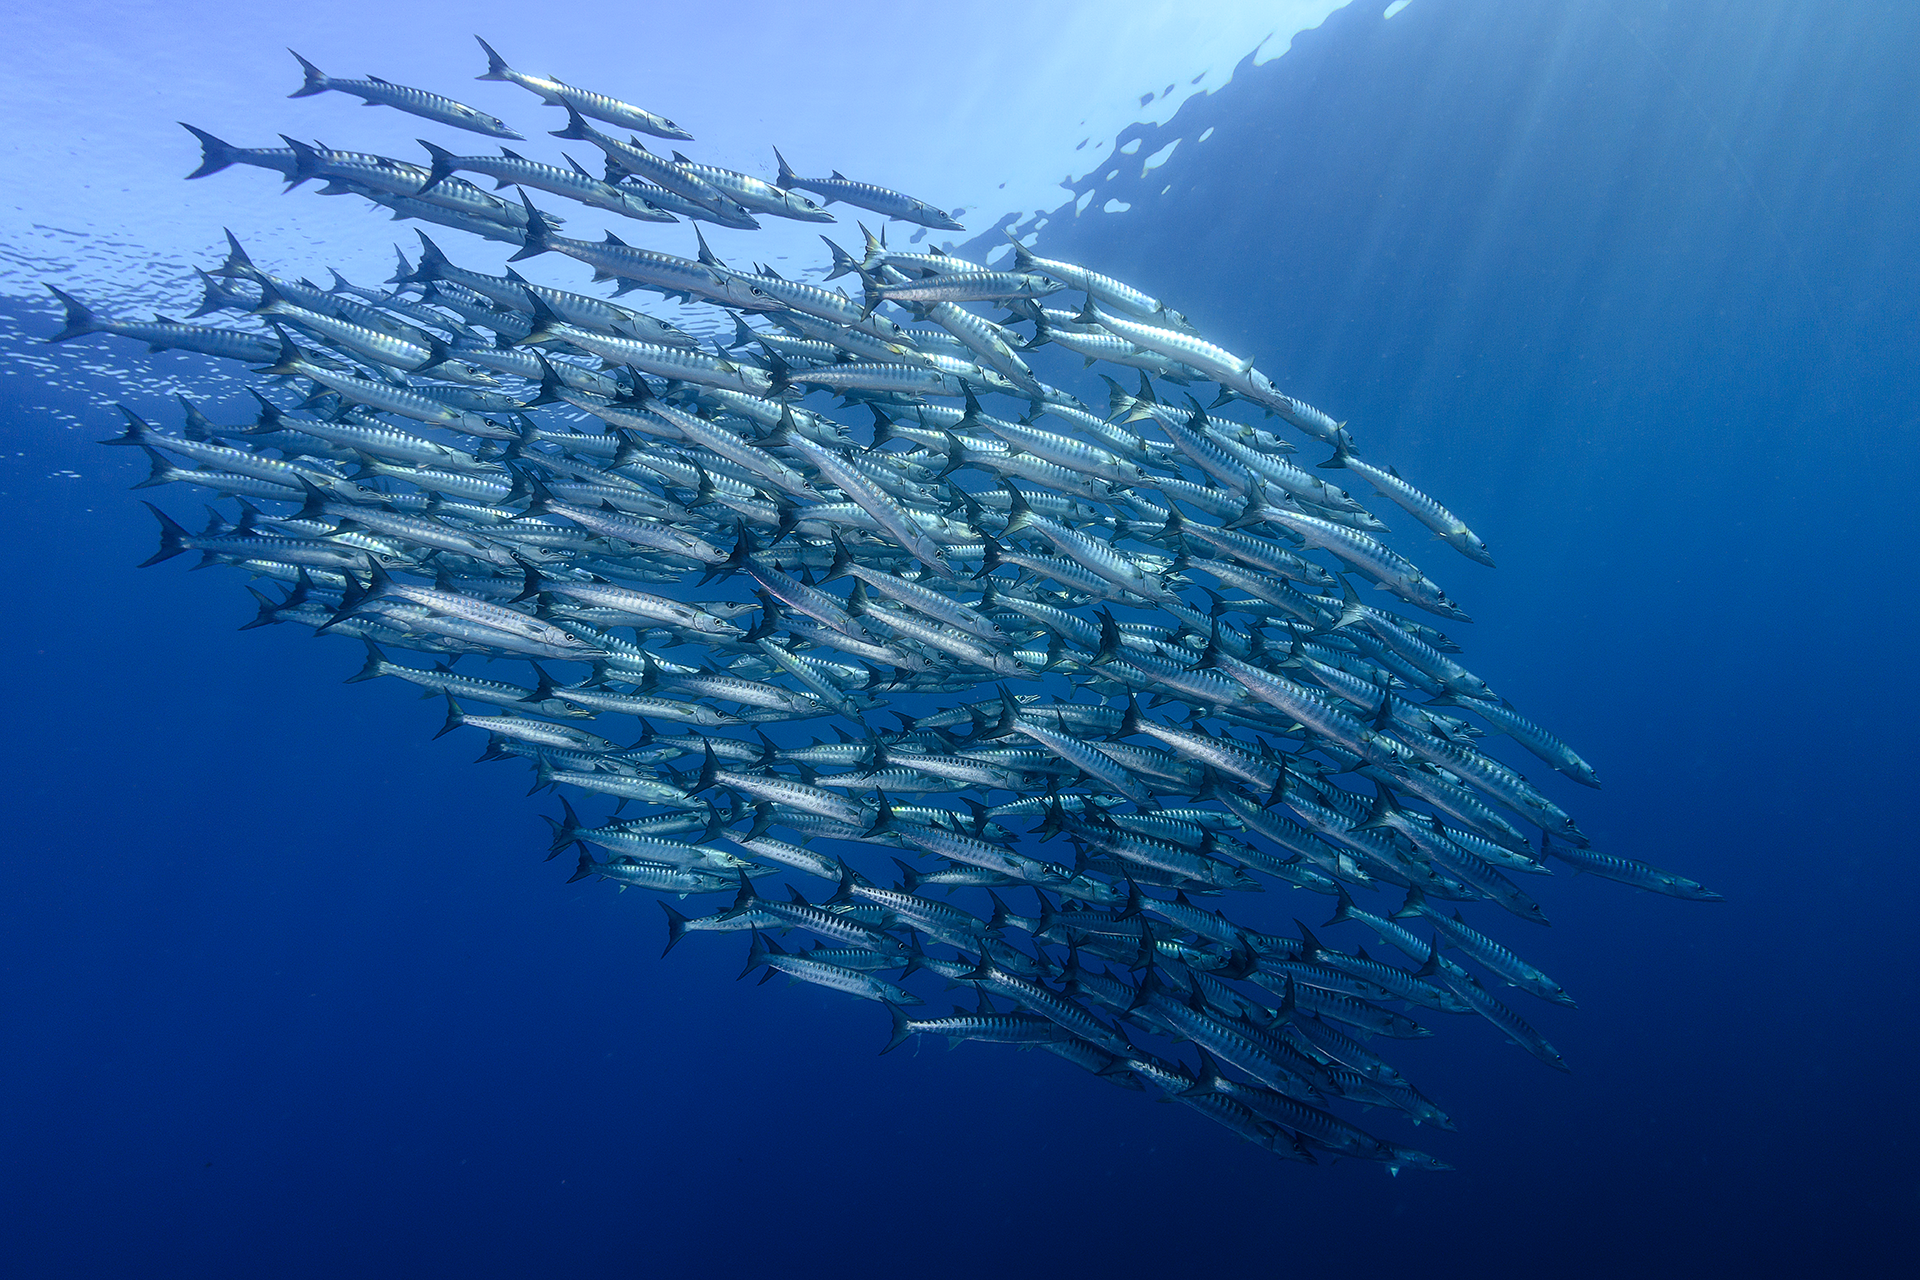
757, 952
173, 538
376, 662
842, 560
585, 869
213, 296
1019, 514
1043, 334
163, 472
497, 68
316, 79
238, 265
432, 261
80, 318
743, 334
910, 880
441, 169
883, 818
1109, 639
989, 556
215, 155
455, 717
676, 927
843, 262
287, 362
901, 1030
577, 129
271, 300
1022, 256
1341, 455
544, 780
539, 230
402, 269
787, 176
306, 160
268, 612
782, 374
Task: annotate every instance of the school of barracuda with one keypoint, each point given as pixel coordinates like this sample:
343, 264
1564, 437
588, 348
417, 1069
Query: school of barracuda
1126, 664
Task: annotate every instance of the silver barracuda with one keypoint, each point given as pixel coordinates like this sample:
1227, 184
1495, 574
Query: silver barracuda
166, 335
417, 102
615, 258
510, 168
760, 637
637, 160
967, 286
1102, 289
893, 204
597, 106
755, 195
1446, 526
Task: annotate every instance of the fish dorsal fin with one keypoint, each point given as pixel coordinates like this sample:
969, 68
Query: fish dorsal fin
841, 176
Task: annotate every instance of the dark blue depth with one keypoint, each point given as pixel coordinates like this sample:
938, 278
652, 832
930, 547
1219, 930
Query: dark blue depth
1630, 285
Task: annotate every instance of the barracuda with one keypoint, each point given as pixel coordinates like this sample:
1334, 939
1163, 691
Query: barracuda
935, 604
753, 194
967, 286
386, 181
418, 102
1468, 988
996, 1028
1304, 759
1099, 288
165, 335
510, 168
639, 604
516, 292
660, 361
1504, 719
1095, 347
615, 258
1259, 553
851, 981
637, 160
588, 103
1393, 572
893, 204
406, 403
1446, 526
659, 877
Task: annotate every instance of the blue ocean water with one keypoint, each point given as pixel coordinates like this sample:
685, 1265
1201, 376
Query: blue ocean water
1631, 285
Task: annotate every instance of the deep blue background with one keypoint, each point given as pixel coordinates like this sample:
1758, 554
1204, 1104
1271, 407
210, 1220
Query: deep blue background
290, 991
